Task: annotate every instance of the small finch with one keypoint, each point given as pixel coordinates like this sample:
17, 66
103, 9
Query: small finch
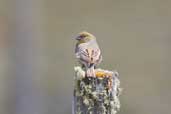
88, 52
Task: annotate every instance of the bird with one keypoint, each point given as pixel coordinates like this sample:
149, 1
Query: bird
88, 52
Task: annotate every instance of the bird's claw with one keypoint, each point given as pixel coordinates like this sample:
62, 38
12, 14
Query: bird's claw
90, 73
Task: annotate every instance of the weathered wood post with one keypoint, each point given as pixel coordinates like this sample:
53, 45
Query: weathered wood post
97, 95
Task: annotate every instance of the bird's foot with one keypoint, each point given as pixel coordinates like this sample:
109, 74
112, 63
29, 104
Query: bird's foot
90, 73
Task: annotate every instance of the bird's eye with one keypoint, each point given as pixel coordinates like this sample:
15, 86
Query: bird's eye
81, 36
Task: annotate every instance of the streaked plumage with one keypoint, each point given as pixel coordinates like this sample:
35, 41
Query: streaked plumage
87, 52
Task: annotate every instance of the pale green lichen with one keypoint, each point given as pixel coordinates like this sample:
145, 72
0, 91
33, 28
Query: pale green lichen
93, 95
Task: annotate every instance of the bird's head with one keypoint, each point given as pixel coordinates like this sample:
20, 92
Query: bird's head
85, 37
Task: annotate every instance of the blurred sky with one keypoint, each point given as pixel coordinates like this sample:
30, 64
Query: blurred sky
37, 52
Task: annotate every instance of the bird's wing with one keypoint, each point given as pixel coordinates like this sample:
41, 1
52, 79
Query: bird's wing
96, 52
96, 55
82, 54
89, 54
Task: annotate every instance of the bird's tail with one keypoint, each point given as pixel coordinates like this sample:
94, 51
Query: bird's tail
90, 71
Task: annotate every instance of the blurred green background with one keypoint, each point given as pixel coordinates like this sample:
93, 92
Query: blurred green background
134, 36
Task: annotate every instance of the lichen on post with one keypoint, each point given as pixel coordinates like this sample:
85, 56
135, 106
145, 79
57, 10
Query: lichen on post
96, 95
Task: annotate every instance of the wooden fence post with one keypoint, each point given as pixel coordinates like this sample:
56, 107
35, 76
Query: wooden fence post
97, 95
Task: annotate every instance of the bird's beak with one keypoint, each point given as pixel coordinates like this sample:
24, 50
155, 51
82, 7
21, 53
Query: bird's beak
78, 38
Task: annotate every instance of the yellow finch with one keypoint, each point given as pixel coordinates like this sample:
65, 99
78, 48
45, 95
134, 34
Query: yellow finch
88, 52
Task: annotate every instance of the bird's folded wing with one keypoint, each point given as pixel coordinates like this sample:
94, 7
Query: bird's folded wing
83, 55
